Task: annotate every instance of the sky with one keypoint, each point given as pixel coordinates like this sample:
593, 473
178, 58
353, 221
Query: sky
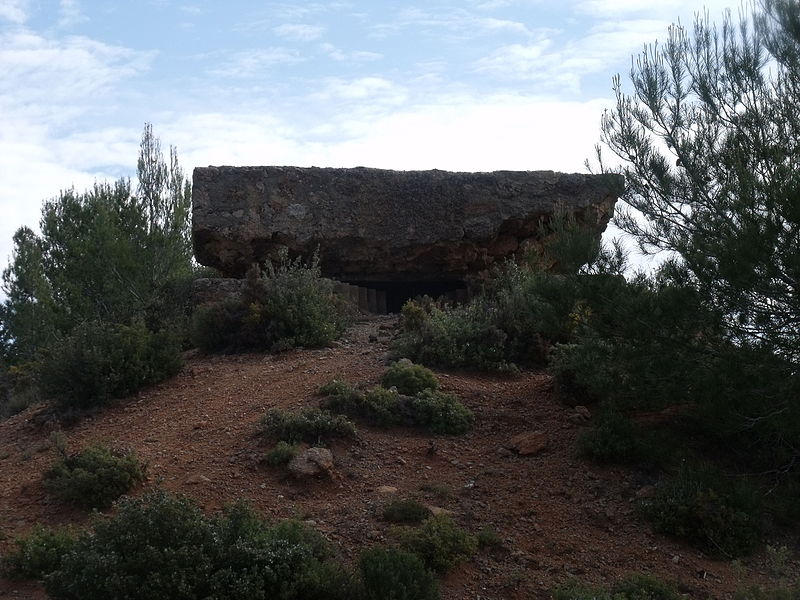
475, 85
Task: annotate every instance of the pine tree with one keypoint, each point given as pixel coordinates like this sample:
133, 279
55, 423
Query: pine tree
710, 143
102, 255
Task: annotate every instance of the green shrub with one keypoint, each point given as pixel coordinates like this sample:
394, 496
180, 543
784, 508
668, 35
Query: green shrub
18, 388
38, 553
409, 379
394, 574
310, 425
488, 538
512, 321
778, 592
441, 413
633, 587
439, 542
99, 361
289, 305
429, 409
215, 326
456, 337
612, 439
338, 387
94, 477
377, 406
719, 516
406, 511
281, 454
162, 546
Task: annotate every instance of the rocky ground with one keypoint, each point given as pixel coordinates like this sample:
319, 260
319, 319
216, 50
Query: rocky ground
557, 515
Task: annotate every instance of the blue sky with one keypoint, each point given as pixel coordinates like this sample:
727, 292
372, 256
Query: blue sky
471, 85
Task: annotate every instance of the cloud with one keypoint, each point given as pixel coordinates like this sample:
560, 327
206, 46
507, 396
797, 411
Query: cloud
459, 24
299, 31
463, 133
562, 67
375, 91
48, 79
70, 14
15, 11
353, 56
669, 10
252, 63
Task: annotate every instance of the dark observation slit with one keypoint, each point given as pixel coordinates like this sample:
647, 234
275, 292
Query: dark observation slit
398, 292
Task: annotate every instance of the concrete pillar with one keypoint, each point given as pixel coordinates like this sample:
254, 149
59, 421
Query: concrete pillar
363, 298
381, 297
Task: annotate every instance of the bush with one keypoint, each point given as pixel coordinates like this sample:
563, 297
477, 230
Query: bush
99, 361
161, 546
782, 592
719, 516
289, 305
281, 454
310, 425
409, 379
513, 321
432, 410
441, 413
215, 327
18, 388
406, 511
94, 477
612, 439
439, 542
488, 538
38, 553
633, 587
378, 406
394, 574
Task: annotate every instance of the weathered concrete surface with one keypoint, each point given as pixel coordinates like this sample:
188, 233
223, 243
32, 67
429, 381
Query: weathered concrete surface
378, 225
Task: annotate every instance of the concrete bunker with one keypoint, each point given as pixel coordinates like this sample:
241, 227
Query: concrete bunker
393, 234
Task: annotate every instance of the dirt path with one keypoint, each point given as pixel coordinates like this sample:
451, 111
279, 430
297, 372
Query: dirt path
556, 514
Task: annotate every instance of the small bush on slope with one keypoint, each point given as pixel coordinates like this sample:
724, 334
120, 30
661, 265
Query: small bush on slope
439, 542
94, 477
100, 361
633, 587
281, 454
699, 505
310, 425
429, 409
394, 574
289, 305
406, 511
38, 553
409, 379
162, 546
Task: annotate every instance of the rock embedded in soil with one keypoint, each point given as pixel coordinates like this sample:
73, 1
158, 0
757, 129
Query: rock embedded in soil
312, 462
383, 225
529, 443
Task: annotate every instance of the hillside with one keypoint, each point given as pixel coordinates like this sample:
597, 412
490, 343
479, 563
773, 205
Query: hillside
556, 514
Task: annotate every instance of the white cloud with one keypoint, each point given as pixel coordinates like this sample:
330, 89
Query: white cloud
15, 11
458, 24
374, 91
561, 67
47, 80
669, 10
70, 14
491, 24
47, 86
254, 62
338, 54
299, 31
462, 133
